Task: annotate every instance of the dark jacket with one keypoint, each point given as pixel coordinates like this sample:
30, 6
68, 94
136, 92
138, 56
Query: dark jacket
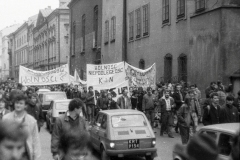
102, 103
68, 92
231, 114
112, 105
163, 105
62, 125
83, 96
184, 116
213, 116
140, 98
90, 98
35, 110
75, 94
236, 103
208, 91
134, 101
177, 99
148, 102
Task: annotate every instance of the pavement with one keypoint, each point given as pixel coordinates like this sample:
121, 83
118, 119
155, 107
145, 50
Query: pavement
164, 145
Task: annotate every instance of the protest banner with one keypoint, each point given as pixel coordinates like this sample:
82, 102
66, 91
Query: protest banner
116, 90
141, 78
106, 75
30, 77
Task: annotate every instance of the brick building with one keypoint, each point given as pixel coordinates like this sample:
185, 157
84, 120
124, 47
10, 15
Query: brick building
86, 34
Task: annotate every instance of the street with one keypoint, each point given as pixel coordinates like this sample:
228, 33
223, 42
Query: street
164, 145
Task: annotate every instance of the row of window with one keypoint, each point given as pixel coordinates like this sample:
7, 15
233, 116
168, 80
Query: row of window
112, 31
21, 57
20, 41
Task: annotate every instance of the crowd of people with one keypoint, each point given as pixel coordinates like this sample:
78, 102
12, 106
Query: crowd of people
172, 105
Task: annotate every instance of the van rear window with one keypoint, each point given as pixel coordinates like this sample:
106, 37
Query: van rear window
128, 121
62, 106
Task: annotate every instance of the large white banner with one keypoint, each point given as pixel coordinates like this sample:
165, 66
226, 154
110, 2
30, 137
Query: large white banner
106, 75
141, 78
116, 90
30, 77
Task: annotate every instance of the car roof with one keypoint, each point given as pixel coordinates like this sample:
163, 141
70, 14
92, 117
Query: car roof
232, 128
52, 92
62, 100
120, 111
43, 89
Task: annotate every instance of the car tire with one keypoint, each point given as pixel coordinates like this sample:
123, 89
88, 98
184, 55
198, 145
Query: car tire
149, 158
104, 155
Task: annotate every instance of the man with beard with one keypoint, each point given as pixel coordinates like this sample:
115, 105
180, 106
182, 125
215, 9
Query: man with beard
167, 106
34, 108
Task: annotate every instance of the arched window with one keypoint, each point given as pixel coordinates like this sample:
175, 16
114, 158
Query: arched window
182, 67
167, 67
142, 64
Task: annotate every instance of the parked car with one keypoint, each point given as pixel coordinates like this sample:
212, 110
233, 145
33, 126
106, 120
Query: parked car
121, 133
56, 109
222, 134
43, 90
46, 98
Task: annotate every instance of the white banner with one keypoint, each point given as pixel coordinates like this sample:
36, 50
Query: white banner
78, 79
106, 75
30, 77
141, 78
116, 90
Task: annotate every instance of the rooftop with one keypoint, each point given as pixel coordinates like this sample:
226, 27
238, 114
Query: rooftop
45, 12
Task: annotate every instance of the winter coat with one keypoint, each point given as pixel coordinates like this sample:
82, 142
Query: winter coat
184, 116
231, 114
148, 102
33, 141
121, 103
213, 116
62, 125
177, 99
35, 110
90, 98
163, 105
102, 103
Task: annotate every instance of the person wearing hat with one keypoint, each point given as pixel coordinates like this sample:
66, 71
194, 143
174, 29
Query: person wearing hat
200, 147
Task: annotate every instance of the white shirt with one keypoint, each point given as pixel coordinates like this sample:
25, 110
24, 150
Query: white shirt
168, 103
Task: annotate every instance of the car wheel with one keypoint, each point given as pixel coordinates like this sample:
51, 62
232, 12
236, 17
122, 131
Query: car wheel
104, 155
149, 158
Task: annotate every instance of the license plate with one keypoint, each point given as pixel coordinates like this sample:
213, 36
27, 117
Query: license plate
133, 143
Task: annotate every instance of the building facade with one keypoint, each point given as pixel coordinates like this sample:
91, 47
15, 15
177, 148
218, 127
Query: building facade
188, 40
51, 38
86, 34
4, 56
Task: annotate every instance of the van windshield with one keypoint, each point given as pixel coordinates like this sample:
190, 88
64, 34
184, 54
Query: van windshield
128, 121
56, 96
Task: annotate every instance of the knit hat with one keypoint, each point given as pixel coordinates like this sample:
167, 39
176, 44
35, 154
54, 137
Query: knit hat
200, 147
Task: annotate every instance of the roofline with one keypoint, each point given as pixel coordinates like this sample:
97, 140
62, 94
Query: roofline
19, 28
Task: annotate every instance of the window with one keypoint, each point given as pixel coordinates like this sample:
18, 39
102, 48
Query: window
83, 30
200, 5
180, 8
224, 145
73, 38
167, 67
113, 28
145, 19
131, 26
182, 67
165, 11
106, 31
104, 122
142, 64
95, 23
138, 23
212, 134
99, 119
128, 121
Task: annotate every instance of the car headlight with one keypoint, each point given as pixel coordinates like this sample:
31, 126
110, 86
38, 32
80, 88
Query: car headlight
154, 142
112, 145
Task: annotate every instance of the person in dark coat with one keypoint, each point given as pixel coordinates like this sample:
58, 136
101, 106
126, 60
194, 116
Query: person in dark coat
178, 99
34, 108
70, 121
111, 104
90, 104
230, 110
140, 98
102, 101
211, 88
75, 93
134, 99
213, 113
236, 103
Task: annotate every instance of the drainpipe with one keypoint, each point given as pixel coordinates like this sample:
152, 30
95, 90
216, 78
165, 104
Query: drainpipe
124, 40
59, 37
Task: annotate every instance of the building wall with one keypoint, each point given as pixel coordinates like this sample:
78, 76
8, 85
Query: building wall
170, 38
78, 57
112, 51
